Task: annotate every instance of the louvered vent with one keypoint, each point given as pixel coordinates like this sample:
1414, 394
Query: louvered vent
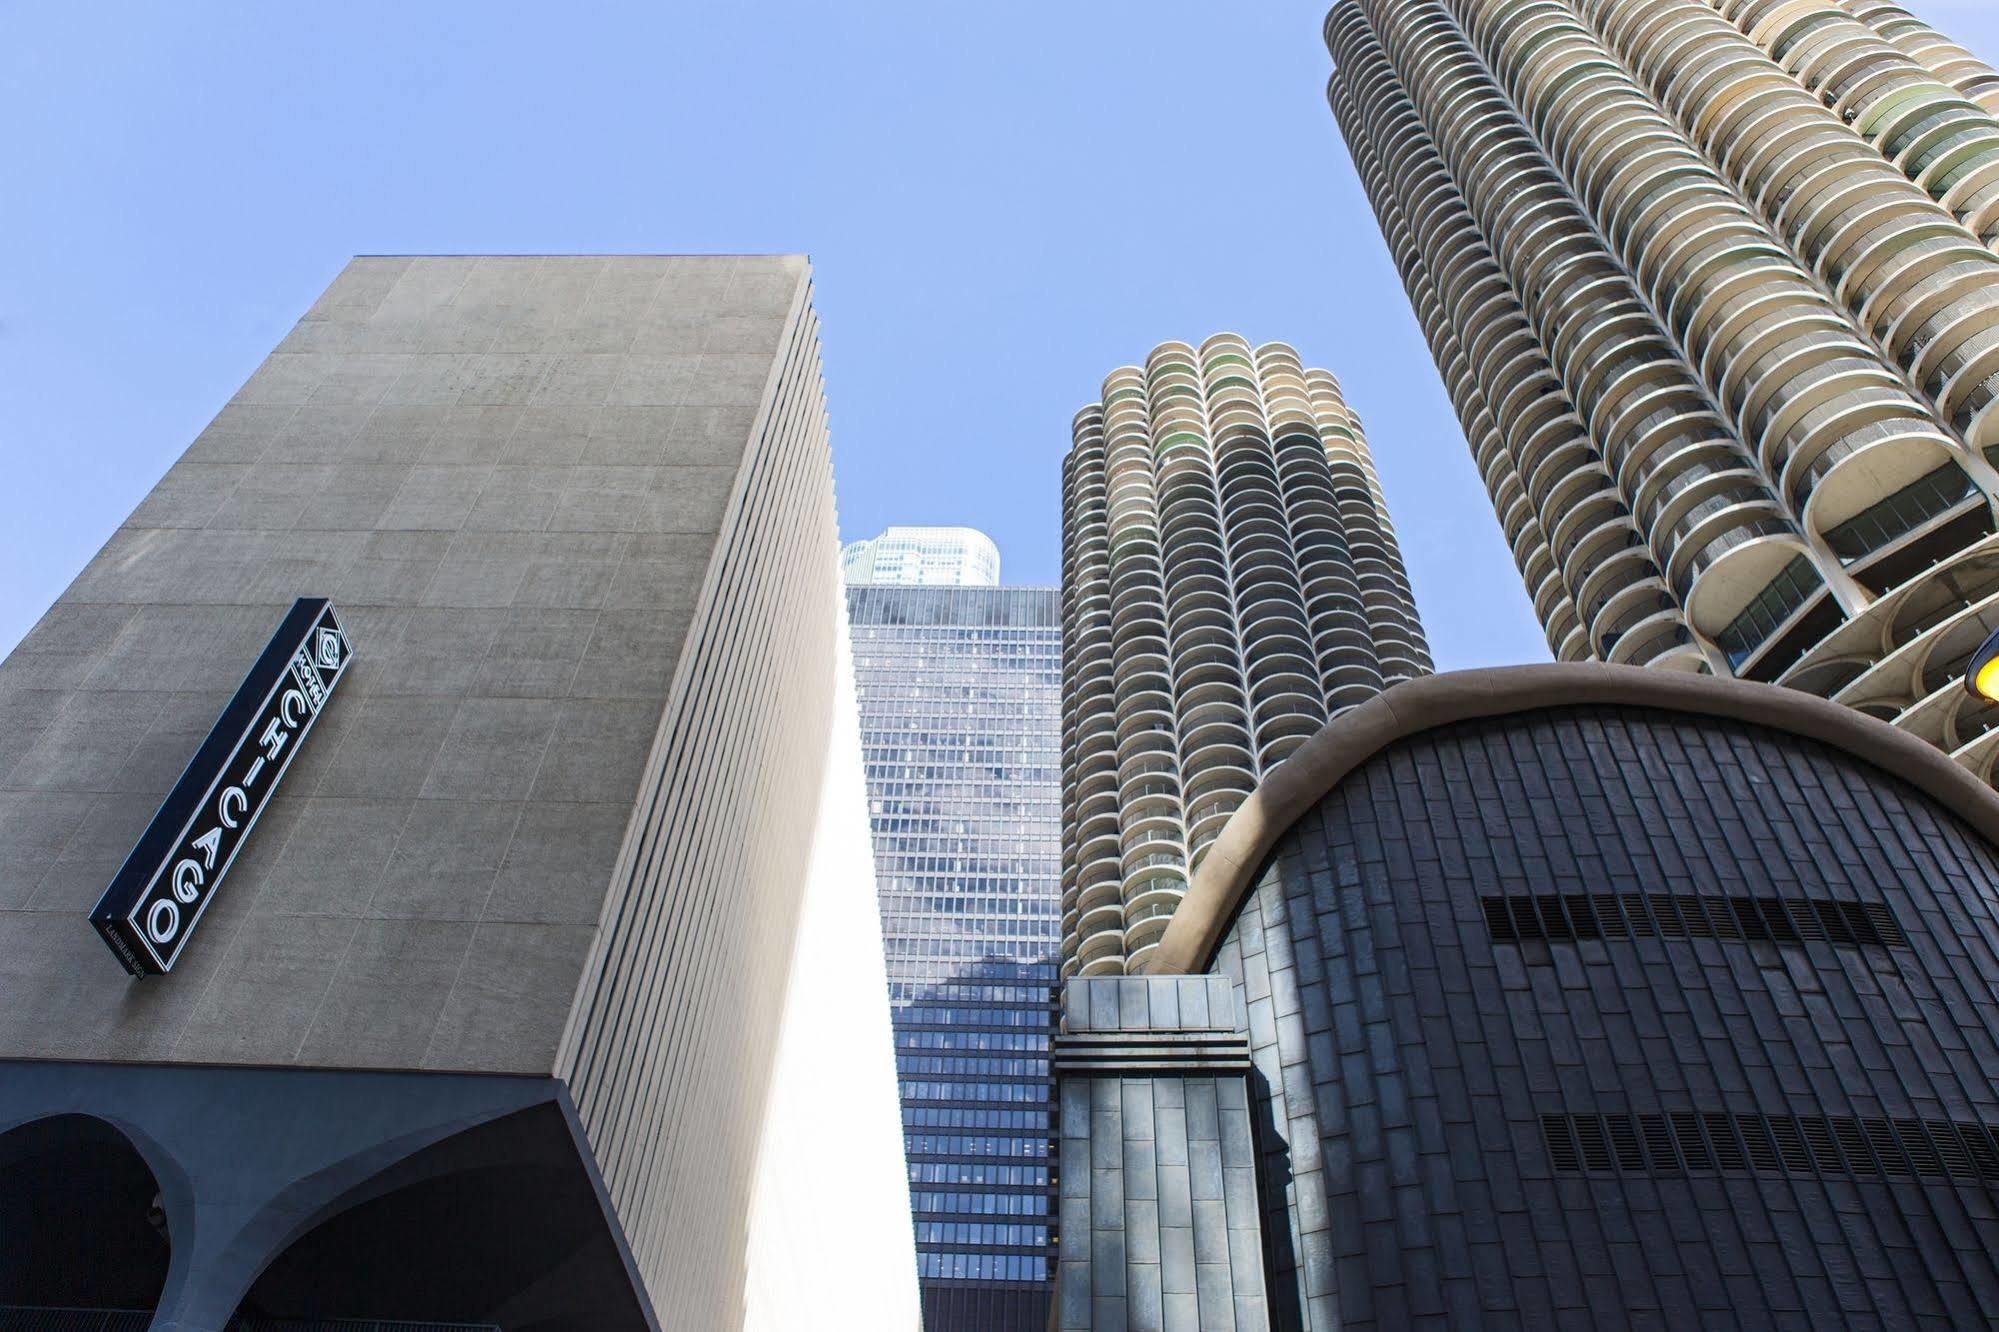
1779, 920
1672, 1144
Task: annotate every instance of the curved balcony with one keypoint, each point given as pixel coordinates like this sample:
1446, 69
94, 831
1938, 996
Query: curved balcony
1613, 538
1595, 520
1199, 593
1142, 939
1895, 260
1954, 721
1926, 663
1719, 322
1098, 864
1143, 835
1153, 785
1095, 744
1260, 558
1875, 496
1951, 63
1095, 818
1153, 804
1218, 743
1893, 622
1567, 472
1655, 630
1216, 687
1286, 682
1154, 896
1243, 569
1107, 919
1618, 359
1280, 738
1100, 954
1638, 623
1144, 745
1731, 586
1151, 867
1148, 707
1222, 772
1195, 562
1204, 652
1214, 802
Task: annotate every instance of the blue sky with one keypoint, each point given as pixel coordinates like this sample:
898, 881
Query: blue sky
1002, 203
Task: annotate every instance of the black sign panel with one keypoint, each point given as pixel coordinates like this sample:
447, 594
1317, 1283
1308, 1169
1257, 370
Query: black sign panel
151, 908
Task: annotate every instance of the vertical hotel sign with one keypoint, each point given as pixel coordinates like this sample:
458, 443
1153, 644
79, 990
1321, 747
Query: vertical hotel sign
153, 905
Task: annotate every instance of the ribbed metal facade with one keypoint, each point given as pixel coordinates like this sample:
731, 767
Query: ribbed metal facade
1713, 291
1230, 581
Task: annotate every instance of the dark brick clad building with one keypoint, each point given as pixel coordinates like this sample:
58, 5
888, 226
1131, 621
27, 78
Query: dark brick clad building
1589, 997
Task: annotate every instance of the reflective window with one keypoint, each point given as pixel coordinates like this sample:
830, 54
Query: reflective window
960, 732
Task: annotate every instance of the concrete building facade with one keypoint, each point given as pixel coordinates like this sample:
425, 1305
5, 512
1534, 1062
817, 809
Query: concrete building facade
1590, 996
521, 917
959, 690
1230, 580
1713, 291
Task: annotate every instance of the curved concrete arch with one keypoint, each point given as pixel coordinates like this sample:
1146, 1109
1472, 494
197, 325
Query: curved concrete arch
1218, 887
507, 1159
302, 1205
163, 1171
176, 1193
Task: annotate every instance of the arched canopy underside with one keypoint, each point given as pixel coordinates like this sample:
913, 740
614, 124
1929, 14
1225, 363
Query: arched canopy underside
81, 1221
493, 1225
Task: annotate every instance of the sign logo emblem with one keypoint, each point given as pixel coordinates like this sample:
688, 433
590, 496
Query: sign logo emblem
153, 905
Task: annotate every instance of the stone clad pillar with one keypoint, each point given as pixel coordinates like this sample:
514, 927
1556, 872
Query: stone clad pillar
1158, 1205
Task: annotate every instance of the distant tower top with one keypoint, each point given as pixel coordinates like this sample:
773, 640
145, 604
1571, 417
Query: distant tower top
926, 556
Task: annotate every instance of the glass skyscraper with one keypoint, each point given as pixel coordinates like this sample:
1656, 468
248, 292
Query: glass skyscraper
930, 556
959, 698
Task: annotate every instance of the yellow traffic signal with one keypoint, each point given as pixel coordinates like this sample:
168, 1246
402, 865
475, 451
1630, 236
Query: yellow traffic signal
1981, 674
